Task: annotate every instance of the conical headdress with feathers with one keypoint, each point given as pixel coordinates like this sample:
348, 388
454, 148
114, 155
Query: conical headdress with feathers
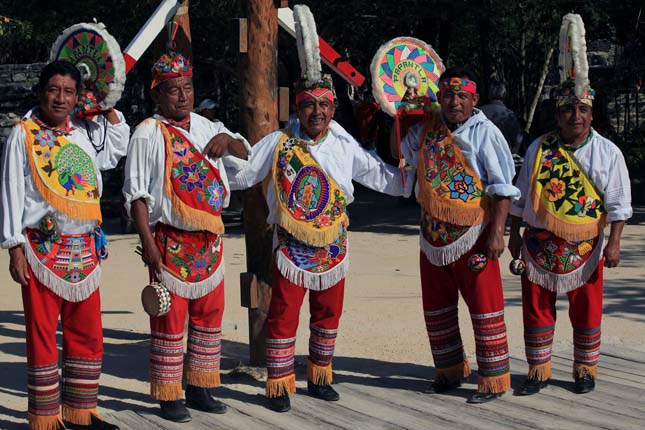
572, 62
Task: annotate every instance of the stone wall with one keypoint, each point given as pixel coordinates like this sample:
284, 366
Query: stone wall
16, 94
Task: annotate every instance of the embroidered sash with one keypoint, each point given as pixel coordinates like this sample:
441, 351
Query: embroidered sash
192, 183
310, 205
312, 267
443, 242
566, 201
193, 260
66, 264
63, 173
449, 188
558, 264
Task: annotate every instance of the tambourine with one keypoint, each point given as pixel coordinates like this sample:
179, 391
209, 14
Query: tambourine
155, 299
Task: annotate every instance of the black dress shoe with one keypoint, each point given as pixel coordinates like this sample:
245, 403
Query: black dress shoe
97, 423
200, 399
175, 410
532, 386
280, 403
442, 385
584, 384
478, 397
324, 392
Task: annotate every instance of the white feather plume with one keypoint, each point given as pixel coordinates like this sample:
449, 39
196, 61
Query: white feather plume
574, 29
307, 44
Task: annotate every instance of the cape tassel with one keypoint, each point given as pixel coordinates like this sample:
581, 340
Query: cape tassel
308, 234
166, 392
44, 422
72, 292
281, 386
541, 372
319, 375
312, 281
562, 283
193, 290
202, 379
494, 384
444, 255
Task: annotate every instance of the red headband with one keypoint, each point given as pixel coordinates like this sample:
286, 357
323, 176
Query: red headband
315, 93
458, 84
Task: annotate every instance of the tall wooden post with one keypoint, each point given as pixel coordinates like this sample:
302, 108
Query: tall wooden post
259, 117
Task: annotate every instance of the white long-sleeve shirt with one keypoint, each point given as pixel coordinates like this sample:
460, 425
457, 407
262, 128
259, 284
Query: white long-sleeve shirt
339, 155
603, 163
145, 164
22, 204
484, 147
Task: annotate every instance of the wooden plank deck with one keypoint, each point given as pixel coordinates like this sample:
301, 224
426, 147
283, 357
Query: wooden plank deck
392, 396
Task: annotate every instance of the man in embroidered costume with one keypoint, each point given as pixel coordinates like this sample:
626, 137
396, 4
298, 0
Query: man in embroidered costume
573, 182
175, 188
464, 171
309, 168
50, 193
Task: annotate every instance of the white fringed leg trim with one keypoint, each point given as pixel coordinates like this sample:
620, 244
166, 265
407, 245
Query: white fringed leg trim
70, 291
562, 283
444, 255
193, 290
312, 281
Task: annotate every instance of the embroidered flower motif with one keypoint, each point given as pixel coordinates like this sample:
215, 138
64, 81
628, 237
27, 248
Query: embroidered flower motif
200, 263
575, 260
461, 187
550, 247
216, 196
584, 205
323, 220
46, 137
547, 158
192, 177
74, 276
584, 248
183, 272
554, 190
175, 249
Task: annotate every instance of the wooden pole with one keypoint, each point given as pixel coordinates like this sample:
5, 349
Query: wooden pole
259, 117
536, 99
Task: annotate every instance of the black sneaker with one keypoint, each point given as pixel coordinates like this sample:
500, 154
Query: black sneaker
280, 403
175, 410
443, 385
584, 384
199, 398
97, 423
532, 386
479, 398
324, 392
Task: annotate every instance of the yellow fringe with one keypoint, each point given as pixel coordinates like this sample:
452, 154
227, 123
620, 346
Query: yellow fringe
166, 392
305, 232
280, 386
494, 384
199, 378
81, 417
196, 218
449, 212
541, 372
567, 230
458, 371
41, 422
73, 208
580, 370
319, 375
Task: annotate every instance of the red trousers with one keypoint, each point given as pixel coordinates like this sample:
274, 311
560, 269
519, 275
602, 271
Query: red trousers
200, 366
82, 354
325, 308
482, 292
585, 314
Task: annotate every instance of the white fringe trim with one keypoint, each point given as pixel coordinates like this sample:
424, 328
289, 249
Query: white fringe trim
562, 283
312, 281
193, 290
72, 292
444, 255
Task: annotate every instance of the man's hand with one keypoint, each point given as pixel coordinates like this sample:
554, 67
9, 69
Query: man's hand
515, 244
218, 145
495, 245
151, 256
612, 253
18, 266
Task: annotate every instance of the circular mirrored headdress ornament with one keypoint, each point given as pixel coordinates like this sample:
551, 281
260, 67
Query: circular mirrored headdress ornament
404, 64
98, 57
